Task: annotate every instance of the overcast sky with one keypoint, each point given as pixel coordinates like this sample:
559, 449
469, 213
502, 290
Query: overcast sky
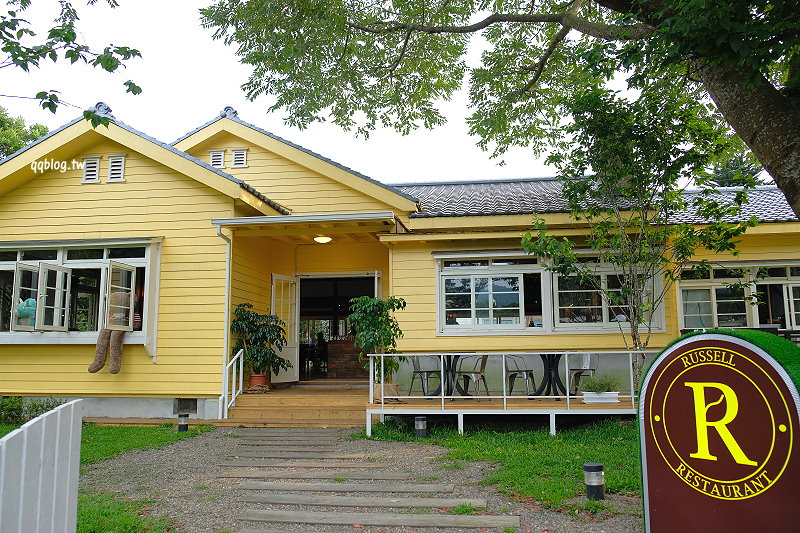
187, 78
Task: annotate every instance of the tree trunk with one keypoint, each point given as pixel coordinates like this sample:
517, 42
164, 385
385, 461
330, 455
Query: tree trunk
766, 120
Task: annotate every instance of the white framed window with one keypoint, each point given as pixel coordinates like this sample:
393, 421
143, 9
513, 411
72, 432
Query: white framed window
239, 157
217, 158
764, 296
66, 294
91, 169
485, 295
116, 168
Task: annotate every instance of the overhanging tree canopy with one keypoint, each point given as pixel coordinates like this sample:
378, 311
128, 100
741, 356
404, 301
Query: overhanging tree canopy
365, 63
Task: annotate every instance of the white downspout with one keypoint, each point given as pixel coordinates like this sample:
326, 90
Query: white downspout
227, 307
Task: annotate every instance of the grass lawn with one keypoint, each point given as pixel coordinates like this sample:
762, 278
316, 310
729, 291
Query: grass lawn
536, 465
106, 512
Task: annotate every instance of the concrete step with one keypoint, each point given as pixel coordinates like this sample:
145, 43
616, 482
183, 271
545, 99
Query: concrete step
266, 423
432, 488
294, 445
334, 415
318, 474
277, 454
383, 519
361, 501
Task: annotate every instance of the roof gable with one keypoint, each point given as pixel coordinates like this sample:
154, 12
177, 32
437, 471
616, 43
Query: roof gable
229, 122
78, 134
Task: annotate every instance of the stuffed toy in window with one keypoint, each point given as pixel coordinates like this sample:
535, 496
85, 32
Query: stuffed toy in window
26, 311
112, 340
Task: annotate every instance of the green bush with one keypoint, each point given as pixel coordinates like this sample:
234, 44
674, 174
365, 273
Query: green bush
16, 410
12, 410
600, 383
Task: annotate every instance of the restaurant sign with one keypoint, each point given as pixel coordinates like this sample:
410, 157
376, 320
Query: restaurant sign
718, 417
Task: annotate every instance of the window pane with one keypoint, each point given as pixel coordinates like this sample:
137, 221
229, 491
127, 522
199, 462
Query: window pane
120, 297
505, 284
732, 321
53, 298
696, 295
697, 308
794, 271
84, 299
467, 263
460, 317
24, 313
567, 299
729, 293
697, 322
505, 300
481, 284
87, 253
8, 255
455, 285
482, 301
504, 262
532, 287
39, 255
6, 298
122, 253
457, 301
775, 272
696, 273
727, 307
580, 315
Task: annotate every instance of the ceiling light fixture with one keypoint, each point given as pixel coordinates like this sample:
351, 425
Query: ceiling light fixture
323, 239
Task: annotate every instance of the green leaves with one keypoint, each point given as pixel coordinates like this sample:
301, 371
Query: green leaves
376, 329
261, 337
14, 134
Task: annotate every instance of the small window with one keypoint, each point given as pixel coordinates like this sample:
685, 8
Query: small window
217, 158
39, 255
26, 290
91, 170
239, 157
6, 298
116, 168
467, 263
126, 253
54, 289
84, 253
513, 262
8, 255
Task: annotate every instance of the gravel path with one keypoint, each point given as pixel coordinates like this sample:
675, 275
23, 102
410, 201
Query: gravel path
184, 482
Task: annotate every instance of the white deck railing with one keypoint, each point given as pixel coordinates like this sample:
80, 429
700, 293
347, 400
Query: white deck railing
39, 466
555, 369
232, 383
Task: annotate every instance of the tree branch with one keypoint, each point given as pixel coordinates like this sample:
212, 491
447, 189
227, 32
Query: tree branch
569, 20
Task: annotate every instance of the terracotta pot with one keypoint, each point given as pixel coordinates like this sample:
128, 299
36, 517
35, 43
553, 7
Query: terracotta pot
258, 380
390, 389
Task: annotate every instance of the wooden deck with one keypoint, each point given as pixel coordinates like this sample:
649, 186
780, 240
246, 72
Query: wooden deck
543, 405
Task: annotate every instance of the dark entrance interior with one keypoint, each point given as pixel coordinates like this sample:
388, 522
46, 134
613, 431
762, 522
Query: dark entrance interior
327, 349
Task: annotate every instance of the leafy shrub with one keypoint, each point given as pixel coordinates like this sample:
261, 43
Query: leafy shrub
600, 383
12, 410
38, 406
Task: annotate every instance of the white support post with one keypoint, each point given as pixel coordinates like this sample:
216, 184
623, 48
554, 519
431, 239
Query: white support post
505, 392
369, 424
371, 379
460, 417
552, 424
382, 417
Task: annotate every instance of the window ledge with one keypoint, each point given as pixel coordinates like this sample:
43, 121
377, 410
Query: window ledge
61, 337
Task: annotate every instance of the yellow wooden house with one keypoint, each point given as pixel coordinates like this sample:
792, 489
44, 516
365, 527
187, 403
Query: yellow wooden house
108, 228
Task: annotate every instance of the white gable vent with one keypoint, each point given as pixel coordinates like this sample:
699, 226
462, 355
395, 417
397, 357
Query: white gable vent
217, 158
239, 157
91, 170
116, 168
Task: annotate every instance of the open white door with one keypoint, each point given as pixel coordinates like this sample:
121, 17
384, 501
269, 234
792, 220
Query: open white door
285, 304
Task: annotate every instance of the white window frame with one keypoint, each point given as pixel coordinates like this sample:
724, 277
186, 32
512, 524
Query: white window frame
239, 153
212, 154
18, 268
151, 262
61, 294
91, 169
473, 305
753, 321
116, 162
111, 289
606, 322
490, 271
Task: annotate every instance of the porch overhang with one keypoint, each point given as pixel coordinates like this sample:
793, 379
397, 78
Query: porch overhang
350, 227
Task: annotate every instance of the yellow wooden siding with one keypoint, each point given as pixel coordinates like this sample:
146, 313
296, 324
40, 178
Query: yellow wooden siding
153, 202
290, 184
414, 278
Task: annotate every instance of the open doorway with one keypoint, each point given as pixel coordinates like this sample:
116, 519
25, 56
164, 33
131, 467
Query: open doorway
327, 348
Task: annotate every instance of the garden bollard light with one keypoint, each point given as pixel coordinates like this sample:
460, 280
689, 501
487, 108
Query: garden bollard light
595, 480
421, 425
183, 422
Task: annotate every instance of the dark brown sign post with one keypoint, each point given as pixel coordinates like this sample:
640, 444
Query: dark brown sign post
718, 417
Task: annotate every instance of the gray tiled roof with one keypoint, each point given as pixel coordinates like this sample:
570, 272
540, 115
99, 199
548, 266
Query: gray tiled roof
543, 195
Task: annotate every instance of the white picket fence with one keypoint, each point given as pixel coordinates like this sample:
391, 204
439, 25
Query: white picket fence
39, 467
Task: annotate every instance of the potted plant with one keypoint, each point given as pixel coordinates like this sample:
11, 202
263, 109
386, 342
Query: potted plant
600, 388
261, 337
377, 331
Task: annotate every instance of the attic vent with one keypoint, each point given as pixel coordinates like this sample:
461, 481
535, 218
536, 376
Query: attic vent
217, 158
116, 168
239, 157
91, 170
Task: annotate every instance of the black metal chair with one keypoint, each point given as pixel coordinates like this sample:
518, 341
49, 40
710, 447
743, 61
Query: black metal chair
424, 374
517, 366
475, 375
